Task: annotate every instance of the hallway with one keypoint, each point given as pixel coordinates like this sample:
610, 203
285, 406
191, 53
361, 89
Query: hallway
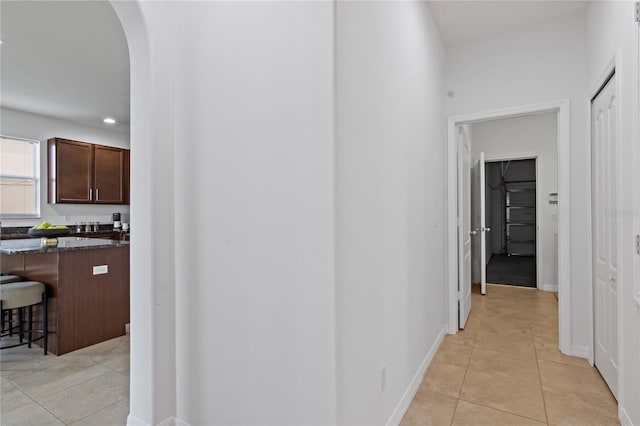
505, 369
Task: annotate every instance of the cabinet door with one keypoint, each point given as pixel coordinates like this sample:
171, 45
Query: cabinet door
72, 164
109, 175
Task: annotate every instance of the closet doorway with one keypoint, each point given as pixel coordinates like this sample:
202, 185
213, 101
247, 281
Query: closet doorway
511, 214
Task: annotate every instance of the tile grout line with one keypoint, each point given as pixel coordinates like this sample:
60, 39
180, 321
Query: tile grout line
530, 328
37, 403
473, 348
21, 372
504, 411
97, 411
67, 387
544, 403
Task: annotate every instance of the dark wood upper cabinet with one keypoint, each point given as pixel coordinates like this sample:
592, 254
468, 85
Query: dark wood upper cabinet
108, 175
85, 173
70, 165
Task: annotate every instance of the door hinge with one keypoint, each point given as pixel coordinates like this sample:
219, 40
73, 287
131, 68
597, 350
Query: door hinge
637, 244
637, 17
460, 295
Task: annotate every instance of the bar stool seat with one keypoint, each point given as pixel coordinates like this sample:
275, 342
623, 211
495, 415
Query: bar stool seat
7, 279
27, 294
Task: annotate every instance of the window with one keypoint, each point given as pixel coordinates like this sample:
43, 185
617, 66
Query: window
19, 177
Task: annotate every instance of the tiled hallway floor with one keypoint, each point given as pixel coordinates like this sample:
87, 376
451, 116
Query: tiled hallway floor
86, 387
504, 368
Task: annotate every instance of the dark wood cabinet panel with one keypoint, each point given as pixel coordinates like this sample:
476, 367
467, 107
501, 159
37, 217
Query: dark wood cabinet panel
96, 307
70, 165
109, 175
84, 173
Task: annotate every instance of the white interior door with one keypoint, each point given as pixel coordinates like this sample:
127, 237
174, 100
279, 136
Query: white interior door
483, 227
464, 228
604, 145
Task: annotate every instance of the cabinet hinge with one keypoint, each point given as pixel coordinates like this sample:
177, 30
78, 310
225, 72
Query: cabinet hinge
637, 17
637, 244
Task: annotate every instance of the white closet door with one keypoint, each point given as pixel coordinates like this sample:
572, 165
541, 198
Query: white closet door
464, 229
604, 146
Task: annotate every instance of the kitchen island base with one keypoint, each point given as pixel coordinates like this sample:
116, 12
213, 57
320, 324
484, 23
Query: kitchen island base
88, 292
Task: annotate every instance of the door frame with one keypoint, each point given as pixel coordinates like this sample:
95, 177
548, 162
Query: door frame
636, 156
539, 200
562, 108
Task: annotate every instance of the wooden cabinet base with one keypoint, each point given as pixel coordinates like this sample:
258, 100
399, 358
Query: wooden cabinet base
84, 309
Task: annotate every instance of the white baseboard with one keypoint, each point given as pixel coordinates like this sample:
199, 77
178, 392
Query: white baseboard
624, 416
134, 421
580, 351
171, 421
549, 287
407, 398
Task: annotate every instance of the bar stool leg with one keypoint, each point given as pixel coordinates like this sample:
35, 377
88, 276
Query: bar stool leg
30, 326
20, 325
45, 327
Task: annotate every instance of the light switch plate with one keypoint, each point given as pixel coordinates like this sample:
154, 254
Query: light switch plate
100, 269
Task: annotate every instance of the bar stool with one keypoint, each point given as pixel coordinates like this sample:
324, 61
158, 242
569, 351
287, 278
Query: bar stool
8, 279
23, 294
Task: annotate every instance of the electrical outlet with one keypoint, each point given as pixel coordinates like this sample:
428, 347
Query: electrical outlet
100, 269
383, 378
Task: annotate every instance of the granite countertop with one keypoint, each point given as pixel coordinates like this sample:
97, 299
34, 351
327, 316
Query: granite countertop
32, 245
18, 232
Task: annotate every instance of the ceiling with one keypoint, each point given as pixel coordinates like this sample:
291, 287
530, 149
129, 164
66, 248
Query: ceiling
65, 59
69, 59
464, 21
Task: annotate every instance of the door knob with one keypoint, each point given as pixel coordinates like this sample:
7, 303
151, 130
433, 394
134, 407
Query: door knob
473, 232
486, 229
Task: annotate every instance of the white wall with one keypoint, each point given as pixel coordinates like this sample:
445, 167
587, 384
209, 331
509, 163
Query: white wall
38, 127
239, 155
533, 65
390, 234
529, 135
611, 31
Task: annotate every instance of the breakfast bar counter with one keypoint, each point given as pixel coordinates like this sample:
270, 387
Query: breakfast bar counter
33, 245
87, 282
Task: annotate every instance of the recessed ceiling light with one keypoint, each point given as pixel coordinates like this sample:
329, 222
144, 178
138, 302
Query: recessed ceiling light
109, 121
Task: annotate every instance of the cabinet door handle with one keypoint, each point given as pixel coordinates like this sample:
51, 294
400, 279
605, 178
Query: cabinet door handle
97, 194
90, 194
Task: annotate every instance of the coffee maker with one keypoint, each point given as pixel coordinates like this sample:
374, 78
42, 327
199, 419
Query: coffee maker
117, 224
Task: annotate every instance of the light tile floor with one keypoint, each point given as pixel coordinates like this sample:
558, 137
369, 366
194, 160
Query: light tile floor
504, 368
86, 387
